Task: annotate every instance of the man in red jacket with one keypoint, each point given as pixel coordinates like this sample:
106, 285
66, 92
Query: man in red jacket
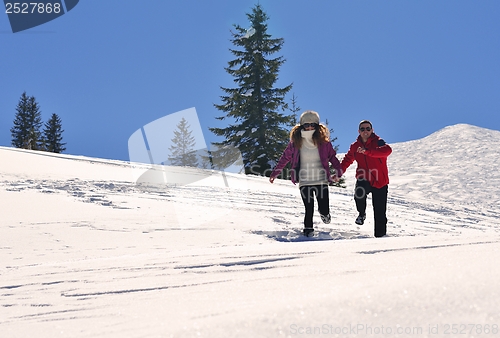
372, 175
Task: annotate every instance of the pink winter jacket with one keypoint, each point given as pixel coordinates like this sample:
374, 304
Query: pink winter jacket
292, 154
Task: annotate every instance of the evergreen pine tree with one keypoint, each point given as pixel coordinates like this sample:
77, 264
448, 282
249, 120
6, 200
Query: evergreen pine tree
27, 123
295, 109
181, 150
260, 129
35, 122
52, 135
20, 129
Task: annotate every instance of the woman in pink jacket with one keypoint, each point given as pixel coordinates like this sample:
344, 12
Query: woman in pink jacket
310, 152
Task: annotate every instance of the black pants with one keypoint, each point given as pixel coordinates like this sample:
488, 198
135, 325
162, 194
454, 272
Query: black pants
379, 202
307, 192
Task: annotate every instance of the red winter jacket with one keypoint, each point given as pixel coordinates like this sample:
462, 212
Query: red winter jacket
372, 165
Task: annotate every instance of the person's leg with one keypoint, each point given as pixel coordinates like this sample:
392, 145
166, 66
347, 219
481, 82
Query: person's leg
379, 201
323, 198
361, 191
307, 194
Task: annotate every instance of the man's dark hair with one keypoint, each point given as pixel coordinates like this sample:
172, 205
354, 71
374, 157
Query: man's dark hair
365, 121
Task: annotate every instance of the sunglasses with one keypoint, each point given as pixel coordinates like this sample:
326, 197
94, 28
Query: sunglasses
307, 125
363, 129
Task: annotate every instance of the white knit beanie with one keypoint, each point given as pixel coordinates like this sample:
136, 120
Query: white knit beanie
309, 116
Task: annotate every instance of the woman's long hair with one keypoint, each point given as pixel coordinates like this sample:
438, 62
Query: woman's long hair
321, 135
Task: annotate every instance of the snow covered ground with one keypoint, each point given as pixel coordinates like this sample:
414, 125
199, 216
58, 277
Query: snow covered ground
86, 252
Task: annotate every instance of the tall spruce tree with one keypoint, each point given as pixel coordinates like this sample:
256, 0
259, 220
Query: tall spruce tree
182, 149
260, 129
27, 123
20, 129
52, 135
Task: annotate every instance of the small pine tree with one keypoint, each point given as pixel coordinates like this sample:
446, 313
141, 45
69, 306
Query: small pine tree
181, 150
27, 123
295, 109
341, 182
52, 135
260, 130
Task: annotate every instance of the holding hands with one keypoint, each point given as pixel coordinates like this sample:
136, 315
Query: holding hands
334, 179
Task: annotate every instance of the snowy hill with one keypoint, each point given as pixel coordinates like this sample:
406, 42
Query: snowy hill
457, 164
86, 252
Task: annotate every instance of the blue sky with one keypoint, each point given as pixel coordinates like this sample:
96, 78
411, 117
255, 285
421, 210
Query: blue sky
107, 68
